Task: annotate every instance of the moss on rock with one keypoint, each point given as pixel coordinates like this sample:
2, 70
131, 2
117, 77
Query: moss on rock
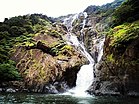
48, 59
120, 60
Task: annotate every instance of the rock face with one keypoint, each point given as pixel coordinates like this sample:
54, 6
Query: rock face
89, 31
50, 64
118, 72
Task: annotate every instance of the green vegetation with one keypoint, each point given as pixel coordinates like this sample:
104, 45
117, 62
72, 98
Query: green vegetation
123, 35
127, 12
126, 30
66, 50
121, 48
8, 71
54, 33
56, 48
110, 58
18, 31
104, 9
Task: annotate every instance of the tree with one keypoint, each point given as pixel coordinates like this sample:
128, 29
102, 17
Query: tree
4, 34
17, 31
8, 71
127, 12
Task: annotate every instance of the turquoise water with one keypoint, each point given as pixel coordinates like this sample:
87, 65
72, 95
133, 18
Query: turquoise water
23, 98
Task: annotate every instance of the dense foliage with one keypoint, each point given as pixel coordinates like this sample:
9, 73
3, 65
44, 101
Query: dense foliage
126, 19
122, 40
14, 31
125, 27
127, 12
122, 36
104, 10
8, 72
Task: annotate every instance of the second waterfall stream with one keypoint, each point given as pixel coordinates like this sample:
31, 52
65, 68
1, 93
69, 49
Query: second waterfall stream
85, 75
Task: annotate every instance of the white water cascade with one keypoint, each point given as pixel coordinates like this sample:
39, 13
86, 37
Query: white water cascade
85, 76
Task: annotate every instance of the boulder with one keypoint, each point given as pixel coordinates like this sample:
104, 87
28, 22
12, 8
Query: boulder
51, 60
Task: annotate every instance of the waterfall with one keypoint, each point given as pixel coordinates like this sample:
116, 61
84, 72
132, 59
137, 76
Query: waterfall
85, 76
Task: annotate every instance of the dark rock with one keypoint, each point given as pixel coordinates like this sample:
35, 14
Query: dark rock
61, 86
43, 47
53, 90
50, 89
104, 88
134, 94
117, 73
70, 77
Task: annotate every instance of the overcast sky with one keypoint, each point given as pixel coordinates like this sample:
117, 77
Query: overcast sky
53, 8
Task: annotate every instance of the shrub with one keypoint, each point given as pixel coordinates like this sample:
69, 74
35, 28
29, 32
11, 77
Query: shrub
17, 31
8, 71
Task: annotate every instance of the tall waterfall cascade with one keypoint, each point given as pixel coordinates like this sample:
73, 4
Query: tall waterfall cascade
85, 75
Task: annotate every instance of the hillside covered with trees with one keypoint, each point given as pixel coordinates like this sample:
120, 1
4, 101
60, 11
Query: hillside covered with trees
14, 32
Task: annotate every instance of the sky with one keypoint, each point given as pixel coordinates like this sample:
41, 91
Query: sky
53, 8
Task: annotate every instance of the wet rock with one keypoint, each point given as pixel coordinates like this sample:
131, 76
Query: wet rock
117, 73
50, 89
24, 90
53, 90
104, 88
133, 93
1, 89
11, 90
61, 86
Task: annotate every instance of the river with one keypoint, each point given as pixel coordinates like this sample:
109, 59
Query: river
28, 98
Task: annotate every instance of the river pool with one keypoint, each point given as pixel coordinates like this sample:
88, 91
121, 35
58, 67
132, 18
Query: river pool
28, 98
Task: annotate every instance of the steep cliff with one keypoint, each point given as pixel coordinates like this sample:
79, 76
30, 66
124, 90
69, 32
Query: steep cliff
117, 73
